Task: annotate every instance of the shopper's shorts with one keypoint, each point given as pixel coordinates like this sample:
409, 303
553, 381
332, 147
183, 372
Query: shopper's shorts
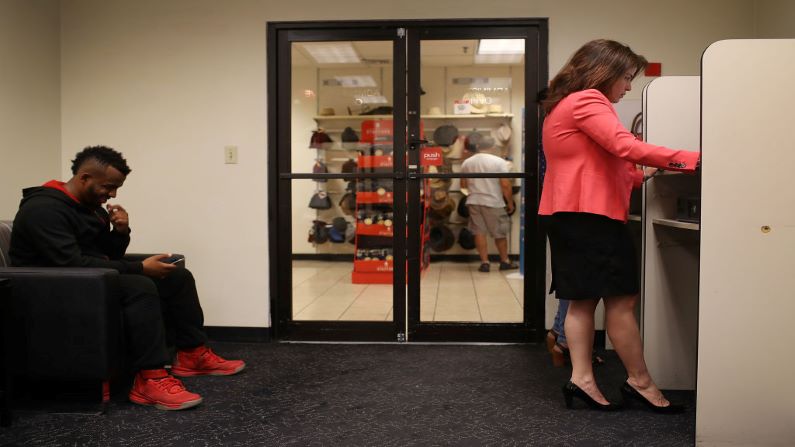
592, 256
487, 220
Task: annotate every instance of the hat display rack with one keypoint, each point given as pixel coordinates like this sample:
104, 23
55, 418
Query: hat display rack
332, 229
346, 152
374, 218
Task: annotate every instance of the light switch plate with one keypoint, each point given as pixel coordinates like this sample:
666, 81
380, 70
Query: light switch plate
230, 154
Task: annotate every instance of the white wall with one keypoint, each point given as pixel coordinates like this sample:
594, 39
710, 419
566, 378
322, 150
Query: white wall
170, 83
30, 135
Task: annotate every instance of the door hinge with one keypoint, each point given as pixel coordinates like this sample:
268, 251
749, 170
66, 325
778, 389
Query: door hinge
401, 337
401, 32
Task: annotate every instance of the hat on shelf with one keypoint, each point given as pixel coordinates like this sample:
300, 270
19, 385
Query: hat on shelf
477, 101
319, 168
466, 239
319, 139
445, 135
441, 238
478, 109
318, 233
335, 235
503, 134
350, 233
381, 110
462, 209
435, 110
494, 108
349, 135
441, 205
348, 203
320, 201
349, 167
339, 223
456, 150
327, 111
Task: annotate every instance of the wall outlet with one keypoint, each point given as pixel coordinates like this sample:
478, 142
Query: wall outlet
230, 154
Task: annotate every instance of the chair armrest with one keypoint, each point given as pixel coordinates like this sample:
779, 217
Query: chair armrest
65, 320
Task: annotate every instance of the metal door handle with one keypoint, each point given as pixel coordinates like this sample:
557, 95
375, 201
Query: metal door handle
414, 144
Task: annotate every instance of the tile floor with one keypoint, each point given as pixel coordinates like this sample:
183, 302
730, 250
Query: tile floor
449, 291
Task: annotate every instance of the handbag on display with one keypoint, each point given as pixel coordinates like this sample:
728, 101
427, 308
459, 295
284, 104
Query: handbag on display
320, 201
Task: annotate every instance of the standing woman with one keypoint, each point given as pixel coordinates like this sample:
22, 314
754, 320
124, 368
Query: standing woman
591, 170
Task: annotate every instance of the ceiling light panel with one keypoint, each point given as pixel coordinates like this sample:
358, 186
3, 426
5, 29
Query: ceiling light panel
501, 46
332, 52
499, 58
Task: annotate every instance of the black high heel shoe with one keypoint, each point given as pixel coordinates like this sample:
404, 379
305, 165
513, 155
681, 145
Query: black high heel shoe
570, 390
629, 393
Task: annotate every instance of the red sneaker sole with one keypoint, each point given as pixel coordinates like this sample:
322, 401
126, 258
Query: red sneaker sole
177, 371
142, 400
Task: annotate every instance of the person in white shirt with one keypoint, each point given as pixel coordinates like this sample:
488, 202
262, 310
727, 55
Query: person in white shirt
490, 201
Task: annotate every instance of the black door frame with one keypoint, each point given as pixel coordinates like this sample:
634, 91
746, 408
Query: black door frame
280, 36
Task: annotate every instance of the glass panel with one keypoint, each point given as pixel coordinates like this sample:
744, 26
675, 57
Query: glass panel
342, 123
472, 104
334, 101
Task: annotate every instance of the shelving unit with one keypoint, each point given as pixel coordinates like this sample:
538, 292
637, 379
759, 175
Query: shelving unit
337, 152
673, 223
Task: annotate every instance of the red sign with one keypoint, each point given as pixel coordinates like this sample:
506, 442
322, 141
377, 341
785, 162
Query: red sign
373, 130
431, 156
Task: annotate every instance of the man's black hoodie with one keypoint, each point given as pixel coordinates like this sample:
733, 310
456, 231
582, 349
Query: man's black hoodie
52, 229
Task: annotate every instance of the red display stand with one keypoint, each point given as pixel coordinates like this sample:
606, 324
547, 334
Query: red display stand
379, 271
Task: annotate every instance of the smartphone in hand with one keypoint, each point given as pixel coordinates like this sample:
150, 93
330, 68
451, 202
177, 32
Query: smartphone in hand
173, 260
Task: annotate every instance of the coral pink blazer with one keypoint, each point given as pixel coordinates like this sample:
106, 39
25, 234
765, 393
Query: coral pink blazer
591, 158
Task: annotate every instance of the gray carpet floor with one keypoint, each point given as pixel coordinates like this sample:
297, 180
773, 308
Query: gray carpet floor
369, 395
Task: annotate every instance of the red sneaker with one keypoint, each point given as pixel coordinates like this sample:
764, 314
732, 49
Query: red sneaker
202, 361
156, 387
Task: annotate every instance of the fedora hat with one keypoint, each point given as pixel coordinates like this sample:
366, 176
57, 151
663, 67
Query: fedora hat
349, 167
466, 239
348, 203
503, 134
441, 238
441, 206
494, 108
445, 135
435, 110
327, 111
462, 209
456, 150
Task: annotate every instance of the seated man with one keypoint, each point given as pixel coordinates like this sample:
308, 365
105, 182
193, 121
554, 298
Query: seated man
65, 225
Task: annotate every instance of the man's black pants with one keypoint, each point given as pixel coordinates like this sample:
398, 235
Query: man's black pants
148, 305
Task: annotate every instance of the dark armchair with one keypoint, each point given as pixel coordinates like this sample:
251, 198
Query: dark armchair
60, 323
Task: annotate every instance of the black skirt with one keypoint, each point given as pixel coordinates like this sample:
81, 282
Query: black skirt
592, 256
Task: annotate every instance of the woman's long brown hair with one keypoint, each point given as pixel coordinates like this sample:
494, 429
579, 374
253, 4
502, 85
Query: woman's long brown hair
597, 64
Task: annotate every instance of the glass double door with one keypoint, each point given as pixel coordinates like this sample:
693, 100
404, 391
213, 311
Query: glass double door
405, 181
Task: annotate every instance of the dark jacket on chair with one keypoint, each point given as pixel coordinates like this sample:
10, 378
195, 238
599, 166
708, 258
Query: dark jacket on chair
52, 229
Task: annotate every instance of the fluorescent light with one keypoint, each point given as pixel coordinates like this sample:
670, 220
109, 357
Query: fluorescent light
501, 46
356, 81
332, 52
498, 58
